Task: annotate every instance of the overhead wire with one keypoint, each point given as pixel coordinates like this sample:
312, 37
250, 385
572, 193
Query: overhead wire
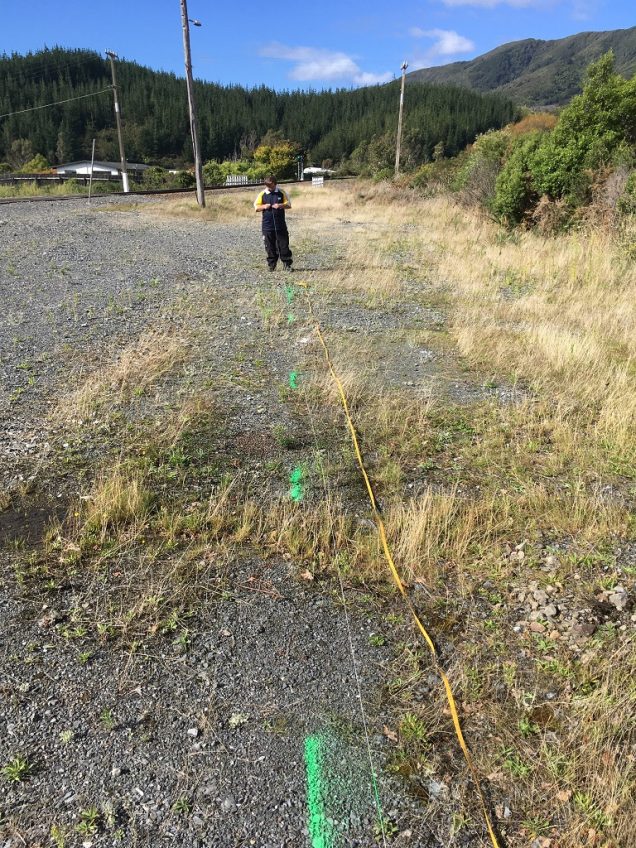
56, 103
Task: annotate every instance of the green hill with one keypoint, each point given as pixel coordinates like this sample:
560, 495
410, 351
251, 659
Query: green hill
327, 124
537, 73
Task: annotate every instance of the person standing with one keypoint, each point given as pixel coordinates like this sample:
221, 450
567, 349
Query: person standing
271, 203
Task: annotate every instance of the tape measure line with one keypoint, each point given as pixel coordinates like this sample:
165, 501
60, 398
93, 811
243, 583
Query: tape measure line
398, 580
381, 820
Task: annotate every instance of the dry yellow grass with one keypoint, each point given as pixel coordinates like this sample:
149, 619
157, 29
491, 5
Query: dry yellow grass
153, 354
558, 312
220, 206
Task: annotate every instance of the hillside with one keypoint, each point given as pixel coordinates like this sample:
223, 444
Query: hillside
537, 73
328, 124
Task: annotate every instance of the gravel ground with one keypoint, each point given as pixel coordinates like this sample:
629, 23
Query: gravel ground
197, 744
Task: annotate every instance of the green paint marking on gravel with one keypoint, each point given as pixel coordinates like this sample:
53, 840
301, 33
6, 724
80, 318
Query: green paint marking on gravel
289, 293
320, 830
290, 317
293, 380
296, 485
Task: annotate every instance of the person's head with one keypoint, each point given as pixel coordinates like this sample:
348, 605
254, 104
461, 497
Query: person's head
270, 182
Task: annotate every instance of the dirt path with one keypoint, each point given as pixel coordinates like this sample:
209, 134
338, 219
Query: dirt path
217, 707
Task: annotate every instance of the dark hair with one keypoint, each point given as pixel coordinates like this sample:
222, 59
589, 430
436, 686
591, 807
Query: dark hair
270, 180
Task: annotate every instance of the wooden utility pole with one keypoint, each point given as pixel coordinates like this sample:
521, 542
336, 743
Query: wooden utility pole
90, 181
198, 168
122, 155
399, 130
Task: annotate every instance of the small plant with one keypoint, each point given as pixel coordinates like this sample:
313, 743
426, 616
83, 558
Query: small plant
89, 821
513, 763
183, 639
537, 827
527, 727
591, 810
66, 736
57, 836
182, 806
377, 640
384, 828
412, 728
17, 770
107, 719
237, 719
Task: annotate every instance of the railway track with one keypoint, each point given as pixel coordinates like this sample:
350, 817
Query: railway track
54, 198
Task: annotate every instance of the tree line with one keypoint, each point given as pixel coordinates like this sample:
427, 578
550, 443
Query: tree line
340, 125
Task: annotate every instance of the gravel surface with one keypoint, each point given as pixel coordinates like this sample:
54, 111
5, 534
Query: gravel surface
198, 740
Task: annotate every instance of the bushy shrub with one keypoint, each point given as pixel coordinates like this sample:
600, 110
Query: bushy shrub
154, 177
439, 175
515, 192
627, 201
596, 128
37, 165
278, 159
383, 174
182, 179
213, 173
158, 178
476, 180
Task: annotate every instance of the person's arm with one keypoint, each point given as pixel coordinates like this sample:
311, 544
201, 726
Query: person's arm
259, 206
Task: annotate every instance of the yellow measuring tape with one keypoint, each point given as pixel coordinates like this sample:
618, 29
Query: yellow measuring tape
398, 580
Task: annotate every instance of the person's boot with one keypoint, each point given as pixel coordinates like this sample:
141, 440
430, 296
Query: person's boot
288, 267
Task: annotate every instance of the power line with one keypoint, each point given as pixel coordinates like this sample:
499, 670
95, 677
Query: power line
57, 103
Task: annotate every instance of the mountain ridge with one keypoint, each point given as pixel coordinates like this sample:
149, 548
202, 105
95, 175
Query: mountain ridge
535, 72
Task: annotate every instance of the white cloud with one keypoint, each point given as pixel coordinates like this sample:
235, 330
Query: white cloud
313, 63
447, 41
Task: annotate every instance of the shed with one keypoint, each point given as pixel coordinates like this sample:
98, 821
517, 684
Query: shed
112, 169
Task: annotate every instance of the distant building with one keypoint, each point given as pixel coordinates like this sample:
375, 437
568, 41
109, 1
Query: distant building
313, 171
112, 169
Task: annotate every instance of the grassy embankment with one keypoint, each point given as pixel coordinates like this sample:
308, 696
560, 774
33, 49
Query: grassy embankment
516, 493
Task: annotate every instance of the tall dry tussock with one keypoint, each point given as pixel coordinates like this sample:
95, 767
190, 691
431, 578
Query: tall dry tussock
155, 353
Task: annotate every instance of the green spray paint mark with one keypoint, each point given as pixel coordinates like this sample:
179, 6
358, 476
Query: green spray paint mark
290, 317
293, 380
296, 486
320, 830
289, 293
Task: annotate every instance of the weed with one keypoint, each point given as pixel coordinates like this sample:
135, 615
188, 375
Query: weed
412, 728
57, 836
89, 821
107, 719
513, 763
17, 770
182, 806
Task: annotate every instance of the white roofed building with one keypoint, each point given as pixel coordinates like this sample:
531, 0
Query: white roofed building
112, 169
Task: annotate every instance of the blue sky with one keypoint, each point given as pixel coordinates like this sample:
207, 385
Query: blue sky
284, 45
